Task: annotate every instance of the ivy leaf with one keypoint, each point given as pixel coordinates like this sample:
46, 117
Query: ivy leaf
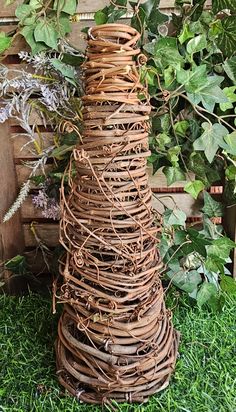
211, 139
212, 208
209, 93
230, 68
230, 140
140, 19
100, 17
230, 172
28, 33
36, 4
66, 6
228, 284
66, 70
218, 5
173, 155
197, 44
169, 76
198, 165
153, 158
164, 245
215, 264
17, 264
221, 247
226, 41
166, 52
174, 217
173, 174
45, 31
181, 128
23, 11
194, 188
205, 293
150, 48
64, 25
231, 96
199, 243
210, 229
192, 79
185, 280
179, 237
5, 42
185, 34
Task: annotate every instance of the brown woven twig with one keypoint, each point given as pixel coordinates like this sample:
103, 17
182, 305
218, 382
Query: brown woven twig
116, 340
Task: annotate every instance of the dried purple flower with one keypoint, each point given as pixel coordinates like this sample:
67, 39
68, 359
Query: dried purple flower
50, 207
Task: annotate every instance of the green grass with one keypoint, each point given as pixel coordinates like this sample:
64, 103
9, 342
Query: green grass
204, 380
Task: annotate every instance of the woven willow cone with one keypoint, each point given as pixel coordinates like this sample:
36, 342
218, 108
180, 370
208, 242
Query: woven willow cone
116, 339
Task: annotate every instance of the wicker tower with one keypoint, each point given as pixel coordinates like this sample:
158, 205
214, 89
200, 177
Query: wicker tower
116, 339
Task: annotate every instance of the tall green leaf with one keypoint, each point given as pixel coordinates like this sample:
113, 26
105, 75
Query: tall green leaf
230, 68
227, 40
218, 5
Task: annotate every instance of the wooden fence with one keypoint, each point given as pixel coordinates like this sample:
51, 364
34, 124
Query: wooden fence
16, 235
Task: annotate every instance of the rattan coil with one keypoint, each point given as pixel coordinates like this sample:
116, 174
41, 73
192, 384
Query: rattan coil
115, 336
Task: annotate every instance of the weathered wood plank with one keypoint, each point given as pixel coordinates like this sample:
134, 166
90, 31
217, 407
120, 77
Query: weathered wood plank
23, 173
36, 261
48, 233
84, 6
22, 150
11, 236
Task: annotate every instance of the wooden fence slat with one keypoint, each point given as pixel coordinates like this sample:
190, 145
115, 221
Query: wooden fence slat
11, 236
48, 233
84, 6
23, 173
23, 152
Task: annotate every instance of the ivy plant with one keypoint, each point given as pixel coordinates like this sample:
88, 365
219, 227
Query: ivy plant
191, 78
42, 23
197, 258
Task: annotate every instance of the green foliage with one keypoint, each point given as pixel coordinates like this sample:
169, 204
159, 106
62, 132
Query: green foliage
211, 139
111, 13
191, 76
42, 25
212, 208
197, 260
194, 188
17, 265
5, 42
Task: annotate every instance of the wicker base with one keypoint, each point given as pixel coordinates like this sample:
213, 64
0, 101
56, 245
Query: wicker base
124, 372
